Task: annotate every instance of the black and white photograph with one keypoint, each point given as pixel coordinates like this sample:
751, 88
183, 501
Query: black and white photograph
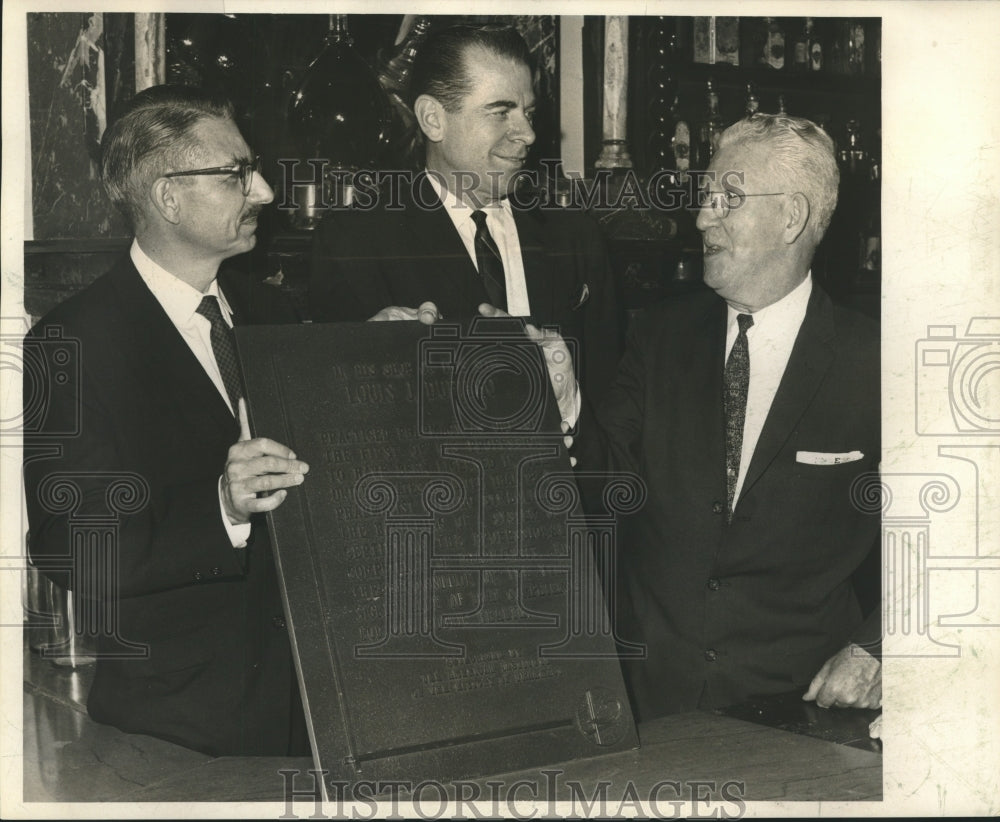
549, 410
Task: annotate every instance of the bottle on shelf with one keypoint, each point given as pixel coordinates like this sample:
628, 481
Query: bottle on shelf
852, 155
680, 143
774, 45
752, 105
815, 46
800, 48
753, 34
711, 128
870, 233
781, 104
856, 47
339, 114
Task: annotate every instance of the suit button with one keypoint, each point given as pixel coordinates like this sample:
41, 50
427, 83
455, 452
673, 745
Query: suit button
713, 584
710, 655
197, 576
216, 572
278, 621
717, 508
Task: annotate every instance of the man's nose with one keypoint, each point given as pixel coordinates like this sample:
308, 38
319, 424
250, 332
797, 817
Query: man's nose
260, 192
706, 217
521, 130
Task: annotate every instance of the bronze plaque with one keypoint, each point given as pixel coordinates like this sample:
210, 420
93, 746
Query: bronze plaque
442, 590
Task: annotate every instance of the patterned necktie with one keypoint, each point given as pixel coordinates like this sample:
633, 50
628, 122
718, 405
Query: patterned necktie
736, 381
489, 262
224, 350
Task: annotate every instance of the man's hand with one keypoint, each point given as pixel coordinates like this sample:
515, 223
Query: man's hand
557, 360
428, 314
851, 678
256, 465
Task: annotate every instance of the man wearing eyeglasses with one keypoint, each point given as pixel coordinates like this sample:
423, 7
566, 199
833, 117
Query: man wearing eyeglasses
156, 405
752, 415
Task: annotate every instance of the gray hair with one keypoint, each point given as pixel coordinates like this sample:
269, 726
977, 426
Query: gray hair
153, 135
801, 154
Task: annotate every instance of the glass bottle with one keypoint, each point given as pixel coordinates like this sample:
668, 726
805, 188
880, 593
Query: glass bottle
680, 143
339, 111
815, 47
856, 47
752, 102
800, 51
711, 128
774, 48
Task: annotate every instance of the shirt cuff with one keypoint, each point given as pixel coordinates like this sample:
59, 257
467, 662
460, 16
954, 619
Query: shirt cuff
570, 408
238, 534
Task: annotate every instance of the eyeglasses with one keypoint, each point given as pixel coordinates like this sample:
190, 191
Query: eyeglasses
722, 202
244, 171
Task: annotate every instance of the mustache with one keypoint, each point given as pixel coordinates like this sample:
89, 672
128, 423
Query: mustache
251, 214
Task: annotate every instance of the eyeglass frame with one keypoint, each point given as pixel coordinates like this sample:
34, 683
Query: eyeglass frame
247, 167
723, 198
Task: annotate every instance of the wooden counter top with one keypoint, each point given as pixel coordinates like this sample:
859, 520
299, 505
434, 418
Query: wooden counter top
70, 758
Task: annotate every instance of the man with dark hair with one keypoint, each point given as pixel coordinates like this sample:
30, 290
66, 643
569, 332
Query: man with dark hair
454, 239
752, 415
155, 408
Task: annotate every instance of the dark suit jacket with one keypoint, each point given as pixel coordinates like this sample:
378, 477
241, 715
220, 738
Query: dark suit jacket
731, 611
365, 260
218, 676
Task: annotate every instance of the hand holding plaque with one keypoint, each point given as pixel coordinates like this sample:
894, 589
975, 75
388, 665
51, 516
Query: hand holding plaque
558, 362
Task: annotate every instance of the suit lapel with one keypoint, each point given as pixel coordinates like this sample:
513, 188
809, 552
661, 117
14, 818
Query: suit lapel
698, 403
433, 236
809, 362
538, 278
163, 358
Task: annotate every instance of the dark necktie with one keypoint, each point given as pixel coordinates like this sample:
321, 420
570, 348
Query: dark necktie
737, 381
489, 262
224, 349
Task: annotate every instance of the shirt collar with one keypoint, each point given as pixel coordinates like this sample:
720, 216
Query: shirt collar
179, 300
458, 211
789, 311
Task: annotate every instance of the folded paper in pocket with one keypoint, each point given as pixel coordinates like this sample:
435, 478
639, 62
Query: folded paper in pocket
824, 458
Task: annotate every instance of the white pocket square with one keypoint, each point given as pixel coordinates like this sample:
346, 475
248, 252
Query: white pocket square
824, 458
583, 297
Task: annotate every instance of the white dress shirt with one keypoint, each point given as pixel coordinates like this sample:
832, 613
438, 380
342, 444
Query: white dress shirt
180, 302
500, 222
769, 341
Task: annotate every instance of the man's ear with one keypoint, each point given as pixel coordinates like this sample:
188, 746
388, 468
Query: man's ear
796, 217
163, 196
430, 116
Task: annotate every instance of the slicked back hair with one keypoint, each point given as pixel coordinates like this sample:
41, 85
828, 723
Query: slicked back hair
153, 135
439, 69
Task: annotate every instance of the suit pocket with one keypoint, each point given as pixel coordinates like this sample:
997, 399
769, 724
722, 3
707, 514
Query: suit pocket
169, 656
